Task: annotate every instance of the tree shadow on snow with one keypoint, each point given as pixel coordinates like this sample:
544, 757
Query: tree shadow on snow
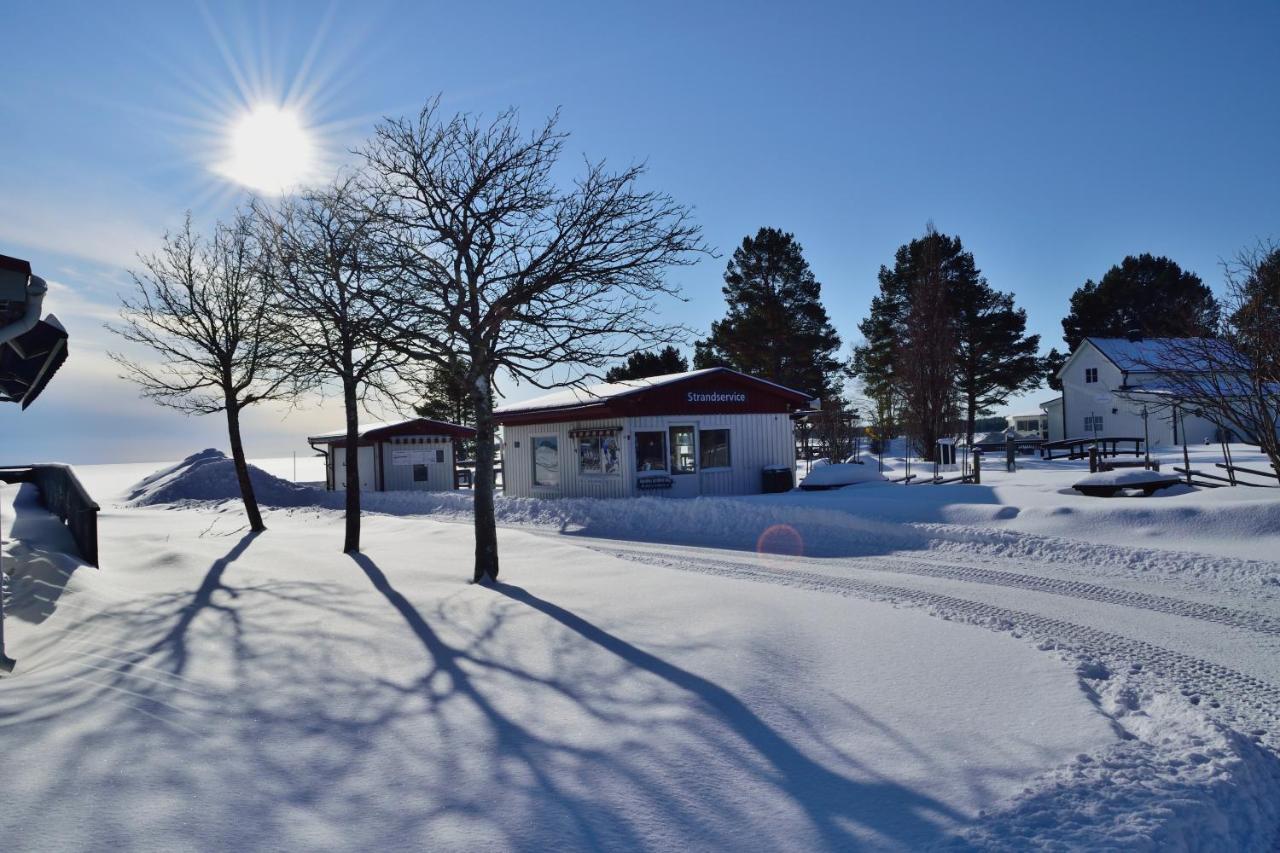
831, 801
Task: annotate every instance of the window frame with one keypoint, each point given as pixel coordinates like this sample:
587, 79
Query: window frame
728, 449
426, 473
533, 461
666, 465
1090, 375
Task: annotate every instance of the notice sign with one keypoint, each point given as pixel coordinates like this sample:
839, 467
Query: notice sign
408, 457
716, 397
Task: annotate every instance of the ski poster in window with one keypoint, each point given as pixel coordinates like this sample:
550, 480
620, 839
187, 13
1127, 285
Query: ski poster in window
599, 455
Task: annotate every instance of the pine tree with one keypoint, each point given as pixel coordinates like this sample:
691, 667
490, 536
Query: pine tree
1148, 294
641, 365
996, 356
776, 327
939, 338
446, 396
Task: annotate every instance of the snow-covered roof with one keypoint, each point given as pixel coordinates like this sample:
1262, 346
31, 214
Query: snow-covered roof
1142, 355
606, 391
415, 426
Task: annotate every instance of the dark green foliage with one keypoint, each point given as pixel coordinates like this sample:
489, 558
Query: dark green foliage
996, 356
776, 327
938, 339
446, 396
641, 365
1152, 295
1052, 364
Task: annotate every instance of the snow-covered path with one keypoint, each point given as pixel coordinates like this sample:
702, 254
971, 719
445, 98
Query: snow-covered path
1227, 657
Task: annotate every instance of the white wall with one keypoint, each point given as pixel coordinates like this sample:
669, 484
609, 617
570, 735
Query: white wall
437, 453
754, 442
364, 465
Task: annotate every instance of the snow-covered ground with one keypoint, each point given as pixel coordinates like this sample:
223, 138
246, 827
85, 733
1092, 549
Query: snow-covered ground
1004, 666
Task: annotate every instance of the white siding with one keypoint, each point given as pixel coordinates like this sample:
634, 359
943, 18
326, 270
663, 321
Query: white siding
1121, 414
397, 478
364, 464
755, 441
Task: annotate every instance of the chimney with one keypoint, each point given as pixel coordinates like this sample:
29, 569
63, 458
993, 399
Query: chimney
1134, 335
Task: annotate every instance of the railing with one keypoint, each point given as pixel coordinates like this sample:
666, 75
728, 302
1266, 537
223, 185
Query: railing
63, 495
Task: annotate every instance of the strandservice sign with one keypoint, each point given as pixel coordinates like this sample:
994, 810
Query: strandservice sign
715, 397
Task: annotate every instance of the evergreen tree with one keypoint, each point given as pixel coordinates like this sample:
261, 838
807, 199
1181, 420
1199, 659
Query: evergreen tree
1148, 294
446, 396
939, 338
996, 356
776, 327
641, 365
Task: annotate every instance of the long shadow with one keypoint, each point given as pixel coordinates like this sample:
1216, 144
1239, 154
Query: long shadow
42, 558
512, 739
827, 797
174, 641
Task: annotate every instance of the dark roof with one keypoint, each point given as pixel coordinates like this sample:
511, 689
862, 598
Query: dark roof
380, 431
716, 389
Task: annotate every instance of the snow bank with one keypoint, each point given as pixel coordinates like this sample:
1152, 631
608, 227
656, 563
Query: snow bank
836, 475
1178, 782
209, 476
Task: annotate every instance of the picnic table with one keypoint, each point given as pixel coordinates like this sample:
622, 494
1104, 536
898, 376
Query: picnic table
1106, 484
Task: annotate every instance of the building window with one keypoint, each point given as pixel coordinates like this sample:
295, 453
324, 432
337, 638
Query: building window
651, 451
1091, 374
714, 447
599, 455
1093, 423
419, 473
439, 455
683, 460
546, 460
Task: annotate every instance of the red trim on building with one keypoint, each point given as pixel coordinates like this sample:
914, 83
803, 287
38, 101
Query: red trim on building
717, 392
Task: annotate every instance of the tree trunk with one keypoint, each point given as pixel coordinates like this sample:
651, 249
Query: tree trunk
483, 486
351, 541
242, 469
971, 418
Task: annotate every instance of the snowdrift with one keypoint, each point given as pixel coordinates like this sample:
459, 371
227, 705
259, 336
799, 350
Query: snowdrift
210, 476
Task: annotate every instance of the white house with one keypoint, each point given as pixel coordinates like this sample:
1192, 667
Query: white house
705, 432
1106, 385
411, 455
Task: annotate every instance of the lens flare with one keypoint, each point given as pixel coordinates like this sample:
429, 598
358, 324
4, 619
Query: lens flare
781, 539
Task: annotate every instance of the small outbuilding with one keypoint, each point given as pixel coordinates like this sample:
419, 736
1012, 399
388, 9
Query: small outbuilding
414, 455
705, 432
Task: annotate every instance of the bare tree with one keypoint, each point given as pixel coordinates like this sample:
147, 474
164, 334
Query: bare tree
1232, 380
516, 274
202, 306
331, 282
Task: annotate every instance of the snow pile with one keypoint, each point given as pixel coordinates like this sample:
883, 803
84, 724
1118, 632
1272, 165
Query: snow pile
836, 475
210, 476
1179, 782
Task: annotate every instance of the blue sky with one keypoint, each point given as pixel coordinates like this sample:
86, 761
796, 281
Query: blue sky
1054, 139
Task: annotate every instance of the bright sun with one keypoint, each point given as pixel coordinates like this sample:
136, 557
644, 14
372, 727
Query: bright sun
270, 150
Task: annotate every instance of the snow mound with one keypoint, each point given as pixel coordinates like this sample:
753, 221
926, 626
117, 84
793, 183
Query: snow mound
1127, 477
209, 476
835, 475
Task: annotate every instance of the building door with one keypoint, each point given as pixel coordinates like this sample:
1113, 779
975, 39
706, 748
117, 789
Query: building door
682, 441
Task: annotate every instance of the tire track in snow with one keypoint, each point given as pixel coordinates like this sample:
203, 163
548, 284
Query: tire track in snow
1242, 701
1248, 620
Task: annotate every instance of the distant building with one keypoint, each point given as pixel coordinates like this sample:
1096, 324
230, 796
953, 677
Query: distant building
1029, 425
413, 455
705, 432
1106, 385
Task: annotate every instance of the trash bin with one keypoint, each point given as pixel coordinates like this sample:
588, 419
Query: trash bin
776, 478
